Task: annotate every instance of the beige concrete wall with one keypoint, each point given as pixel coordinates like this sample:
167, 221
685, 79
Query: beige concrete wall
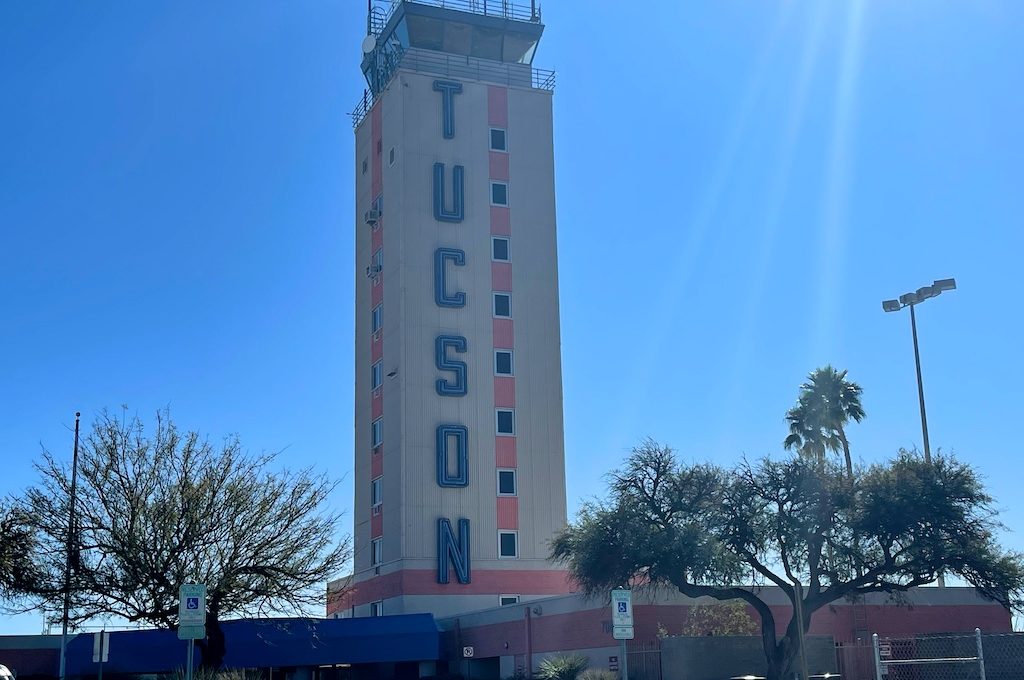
413, 501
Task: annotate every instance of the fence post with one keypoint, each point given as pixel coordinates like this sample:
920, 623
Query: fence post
878, 657
981, 653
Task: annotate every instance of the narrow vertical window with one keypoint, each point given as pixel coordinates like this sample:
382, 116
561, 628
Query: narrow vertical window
499, 193
377, 375
506, 482
377, 318
375, 492
508, 544
505, 421
499, 141
376, 551
503, 305
499, 249
377, 432
503, 362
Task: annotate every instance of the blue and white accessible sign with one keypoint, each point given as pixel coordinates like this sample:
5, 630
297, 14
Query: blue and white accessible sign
191, 604
622, 607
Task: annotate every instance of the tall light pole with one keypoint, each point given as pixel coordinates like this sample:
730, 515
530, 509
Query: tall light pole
67, 563
911, 300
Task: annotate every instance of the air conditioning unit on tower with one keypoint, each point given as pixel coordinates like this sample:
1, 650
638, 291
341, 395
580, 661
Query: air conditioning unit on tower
373, 271
372, 216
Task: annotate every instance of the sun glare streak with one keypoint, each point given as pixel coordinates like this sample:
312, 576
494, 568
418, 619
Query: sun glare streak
778, 190
696, 228
837, 186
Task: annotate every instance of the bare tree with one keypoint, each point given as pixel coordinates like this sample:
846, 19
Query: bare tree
158, 511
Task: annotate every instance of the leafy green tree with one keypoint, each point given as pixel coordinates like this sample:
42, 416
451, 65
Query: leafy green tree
162, 509
18, 572
722, 618
705, 530
827, 403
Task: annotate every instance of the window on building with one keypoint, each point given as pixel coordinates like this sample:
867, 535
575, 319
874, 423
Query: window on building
391, 156
366, 165
377, 608
377, 318
499, 193
509, 599
503, 305
377, 375
376, 551
377, 432
506, 482
375, 491
503, 362
506, 421
499, 141
378, 258
499, 249
380, 146
508, 544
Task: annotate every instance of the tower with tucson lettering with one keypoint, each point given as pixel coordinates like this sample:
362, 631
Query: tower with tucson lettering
459, 461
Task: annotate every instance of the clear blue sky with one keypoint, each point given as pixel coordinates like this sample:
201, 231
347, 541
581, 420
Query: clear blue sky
739, 185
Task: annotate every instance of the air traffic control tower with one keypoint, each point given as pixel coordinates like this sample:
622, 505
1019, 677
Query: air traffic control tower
459, 460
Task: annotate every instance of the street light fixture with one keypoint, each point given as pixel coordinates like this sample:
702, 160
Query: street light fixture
910, 300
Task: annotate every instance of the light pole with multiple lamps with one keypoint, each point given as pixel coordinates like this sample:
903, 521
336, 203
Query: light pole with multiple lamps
911, 300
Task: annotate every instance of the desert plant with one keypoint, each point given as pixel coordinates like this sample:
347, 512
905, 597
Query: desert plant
598, 674
568, 667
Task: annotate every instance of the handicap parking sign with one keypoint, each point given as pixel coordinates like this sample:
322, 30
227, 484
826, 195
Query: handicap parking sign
622, 607
192, 603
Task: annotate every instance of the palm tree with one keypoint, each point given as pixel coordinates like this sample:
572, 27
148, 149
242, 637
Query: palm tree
827, 403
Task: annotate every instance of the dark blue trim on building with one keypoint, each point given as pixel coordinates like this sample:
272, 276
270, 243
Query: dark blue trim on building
270, 643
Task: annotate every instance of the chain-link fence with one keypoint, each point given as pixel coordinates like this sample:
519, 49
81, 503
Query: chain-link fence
937, 657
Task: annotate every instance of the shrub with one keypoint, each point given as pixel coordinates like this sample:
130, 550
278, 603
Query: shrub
563, 667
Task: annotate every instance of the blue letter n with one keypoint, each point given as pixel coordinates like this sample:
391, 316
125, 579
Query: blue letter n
450, 550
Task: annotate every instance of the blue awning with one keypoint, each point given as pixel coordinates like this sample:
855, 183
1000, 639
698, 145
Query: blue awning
266, 643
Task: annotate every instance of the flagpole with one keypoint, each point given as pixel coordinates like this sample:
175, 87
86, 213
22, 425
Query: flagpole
67, 563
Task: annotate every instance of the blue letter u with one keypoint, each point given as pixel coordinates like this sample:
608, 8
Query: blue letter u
458, 211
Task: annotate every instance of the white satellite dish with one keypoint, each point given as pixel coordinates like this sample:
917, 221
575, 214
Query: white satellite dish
369, 43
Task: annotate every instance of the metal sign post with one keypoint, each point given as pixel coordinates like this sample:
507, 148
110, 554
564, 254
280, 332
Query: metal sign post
100, 650
191, 619
622, 624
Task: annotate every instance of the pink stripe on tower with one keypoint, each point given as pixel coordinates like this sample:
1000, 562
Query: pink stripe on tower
377, 525
502, 330
504, 393
505, 452
497, 106
501, 221
508, 512
499, 165
501, 276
